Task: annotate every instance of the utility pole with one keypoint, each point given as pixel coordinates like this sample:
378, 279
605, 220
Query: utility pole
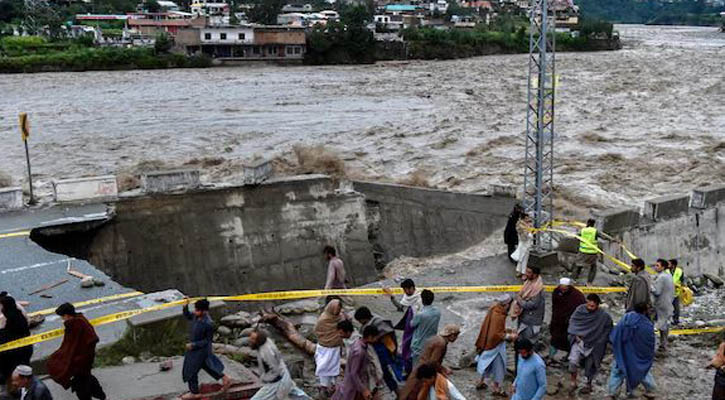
539, 159
24, 124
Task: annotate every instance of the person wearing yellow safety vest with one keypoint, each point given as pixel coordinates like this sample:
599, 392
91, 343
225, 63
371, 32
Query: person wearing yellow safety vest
678, 278
588, 253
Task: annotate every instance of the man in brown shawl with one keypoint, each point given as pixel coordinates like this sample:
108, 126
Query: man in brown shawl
589, 329
329, 344
491, 345
564, 300
433, 353
70, 365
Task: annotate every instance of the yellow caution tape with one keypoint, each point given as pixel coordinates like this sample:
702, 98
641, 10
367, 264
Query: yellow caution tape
106, 319
14, 234
696, 331
48, 311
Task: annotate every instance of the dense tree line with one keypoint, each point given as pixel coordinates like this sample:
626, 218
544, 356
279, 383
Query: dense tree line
684, 12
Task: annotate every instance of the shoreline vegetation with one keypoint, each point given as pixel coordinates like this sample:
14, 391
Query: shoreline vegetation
335, 44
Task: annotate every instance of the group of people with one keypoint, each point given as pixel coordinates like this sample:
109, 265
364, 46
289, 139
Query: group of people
70, 366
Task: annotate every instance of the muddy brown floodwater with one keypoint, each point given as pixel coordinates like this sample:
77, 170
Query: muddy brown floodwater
631, 124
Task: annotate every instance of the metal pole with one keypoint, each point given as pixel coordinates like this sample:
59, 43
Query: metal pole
30, 175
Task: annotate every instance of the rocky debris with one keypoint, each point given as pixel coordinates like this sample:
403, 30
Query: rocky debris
714, 279
87, 282
230, 350
240, 319
166, 365
98, 282
35, 320
224, 331
128, 360
299, 307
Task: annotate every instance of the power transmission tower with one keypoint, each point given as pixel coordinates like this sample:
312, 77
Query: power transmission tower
539, 160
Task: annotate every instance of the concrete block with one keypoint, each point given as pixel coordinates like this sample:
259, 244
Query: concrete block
707, 197
543, 260
95, 187
257, 172
568, 245
11, 198
617, 220
667, 206
166, 181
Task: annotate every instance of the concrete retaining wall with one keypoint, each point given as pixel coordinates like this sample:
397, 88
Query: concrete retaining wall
416, 222
96, 187
235, 240
671, 229
167, 181
11, 198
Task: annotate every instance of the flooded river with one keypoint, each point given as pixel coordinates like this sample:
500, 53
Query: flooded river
631, 124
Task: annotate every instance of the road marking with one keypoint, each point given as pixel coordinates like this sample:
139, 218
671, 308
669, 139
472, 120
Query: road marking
14, 234
34, 266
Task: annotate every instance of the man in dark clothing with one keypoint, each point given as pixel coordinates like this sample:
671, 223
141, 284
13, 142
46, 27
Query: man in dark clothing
639, 291
199, 353
510, 237
70, 365
15, 328
385, 345
29, 386
564, 300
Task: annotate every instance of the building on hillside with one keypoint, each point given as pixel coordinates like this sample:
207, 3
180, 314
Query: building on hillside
438, 6
297, 8
244, 42
402, 9
292, 19
479, 5
151, 27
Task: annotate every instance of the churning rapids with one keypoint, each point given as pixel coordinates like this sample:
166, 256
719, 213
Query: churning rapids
643, 121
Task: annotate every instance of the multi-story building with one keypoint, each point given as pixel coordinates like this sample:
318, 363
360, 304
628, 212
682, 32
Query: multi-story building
244, 42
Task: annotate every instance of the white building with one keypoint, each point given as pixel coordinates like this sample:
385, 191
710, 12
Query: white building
226, 35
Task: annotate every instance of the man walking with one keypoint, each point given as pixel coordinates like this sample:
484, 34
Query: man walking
588, 252
564, 300
272, 371
510, 235
589, 329
633, 344
425, 324
331, 328
639, 288
355, 384
528, 306
663, 292
530, 382
491, 345
335, 269
199, 353
410, 304
678, 279
70, 365
385, 346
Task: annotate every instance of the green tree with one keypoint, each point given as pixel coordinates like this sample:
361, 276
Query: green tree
265, 11
163, 43
153, 6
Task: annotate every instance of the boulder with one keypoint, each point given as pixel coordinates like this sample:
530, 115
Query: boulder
714, 279
224, 331
128, 360
87, 282
238, 320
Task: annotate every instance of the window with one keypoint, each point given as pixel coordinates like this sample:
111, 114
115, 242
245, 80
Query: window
289, 50
241, 36
207, 36
223, 36
256, 50
298, 50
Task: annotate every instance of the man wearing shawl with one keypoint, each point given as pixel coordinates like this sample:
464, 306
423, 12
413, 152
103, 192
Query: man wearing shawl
564, 300
491, 345
589, 329
718, 362
409, 304
355, 385
329, 343
276, 380
385, 345
663, 292
433, 354
528, 305
639, 288
199, 353
70, 365
633, 344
